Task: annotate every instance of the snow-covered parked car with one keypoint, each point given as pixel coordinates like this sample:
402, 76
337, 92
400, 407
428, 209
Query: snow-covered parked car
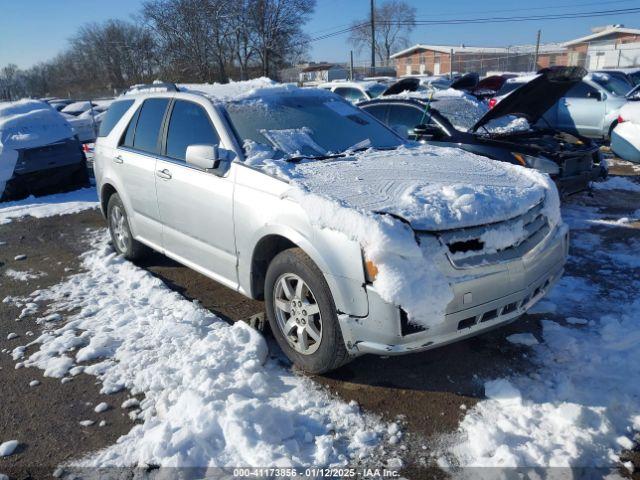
357, 242
39, 152
355, 91
625, 138
85, 117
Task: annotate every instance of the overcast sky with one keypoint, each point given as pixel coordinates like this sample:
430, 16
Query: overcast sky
36, 30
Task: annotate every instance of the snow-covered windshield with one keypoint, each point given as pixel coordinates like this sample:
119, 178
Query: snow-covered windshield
308, 125
463, 112
611, 84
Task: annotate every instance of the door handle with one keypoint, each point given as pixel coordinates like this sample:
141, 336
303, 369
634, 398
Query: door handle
118, 159
164, 173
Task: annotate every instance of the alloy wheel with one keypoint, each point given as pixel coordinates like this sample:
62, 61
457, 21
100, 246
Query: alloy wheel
297, 313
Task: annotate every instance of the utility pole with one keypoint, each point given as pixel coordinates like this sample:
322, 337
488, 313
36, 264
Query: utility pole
535, 60
351, 67
451, 64
373, 40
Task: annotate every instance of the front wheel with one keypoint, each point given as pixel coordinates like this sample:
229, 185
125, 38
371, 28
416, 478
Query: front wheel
302, 314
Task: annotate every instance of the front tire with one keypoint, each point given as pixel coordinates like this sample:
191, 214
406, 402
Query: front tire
121, 237
302, 314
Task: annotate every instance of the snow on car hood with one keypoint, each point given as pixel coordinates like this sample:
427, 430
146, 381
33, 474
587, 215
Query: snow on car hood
430, 187
433, 188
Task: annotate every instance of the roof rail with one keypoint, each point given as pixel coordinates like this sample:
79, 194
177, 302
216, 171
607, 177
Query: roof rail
152, 87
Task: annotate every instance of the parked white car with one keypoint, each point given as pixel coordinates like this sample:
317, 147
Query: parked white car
85, 117
357, 242
625, 139
355, 92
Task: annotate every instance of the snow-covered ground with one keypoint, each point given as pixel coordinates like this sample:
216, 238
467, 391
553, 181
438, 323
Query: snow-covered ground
49, 205
212, 394
580, 406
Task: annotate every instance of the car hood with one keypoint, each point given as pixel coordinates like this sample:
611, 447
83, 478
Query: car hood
534, 98
432, 188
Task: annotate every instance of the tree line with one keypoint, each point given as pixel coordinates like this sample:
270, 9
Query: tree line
172, 40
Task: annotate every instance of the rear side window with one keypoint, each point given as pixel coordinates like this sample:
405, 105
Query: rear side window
581, 90
189, 125
403, 119
149, 124
508, 87
113, 115
378, 111
351, 94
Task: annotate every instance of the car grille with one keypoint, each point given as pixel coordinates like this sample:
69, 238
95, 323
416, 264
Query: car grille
468, 241
576, 165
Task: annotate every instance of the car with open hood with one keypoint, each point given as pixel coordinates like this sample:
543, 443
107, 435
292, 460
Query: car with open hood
39, 152
356, 241
509, 132
588, 108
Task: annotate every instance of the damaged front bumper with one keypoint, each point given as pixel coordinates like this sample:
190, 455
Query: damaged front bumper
484, 298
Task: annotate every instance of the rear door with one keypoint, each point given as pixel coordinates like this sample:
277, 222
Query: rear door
135, 162
195, 205
581, 111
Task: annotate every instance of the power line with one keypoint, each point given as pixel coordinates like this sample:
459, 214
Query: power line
484, 20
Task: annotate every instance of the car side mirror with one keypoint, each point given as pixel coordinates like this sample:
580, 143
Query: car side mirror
208, 157
426, 131
595, 95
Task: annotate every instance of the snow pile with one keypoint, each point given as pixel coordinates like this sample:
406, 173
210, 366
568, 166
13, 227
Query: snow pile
579, 407
617, 183
7, 448
49, 205
27, 124
368, 194
211, 396
23, 275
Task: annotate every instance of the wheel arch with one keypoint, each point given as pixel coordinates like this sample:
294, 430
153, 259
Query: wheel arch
348, 294
106, 191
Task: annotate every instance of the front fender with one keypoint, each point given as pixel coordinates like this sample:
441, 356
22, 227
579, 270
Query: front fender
339, 259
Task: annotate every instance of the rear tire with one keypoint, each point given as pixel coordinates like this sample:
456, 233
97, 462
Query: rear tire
302, 314
121, 237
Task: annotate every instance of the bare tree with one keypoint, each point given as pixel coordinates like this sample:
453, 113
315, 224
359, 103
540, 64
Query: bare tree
394, 21
193, 36
277, 30
113, 54
9, 82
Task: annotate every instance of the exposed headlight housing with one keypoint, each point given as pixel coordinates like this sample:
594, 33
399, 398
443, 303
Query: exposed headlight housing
539, 163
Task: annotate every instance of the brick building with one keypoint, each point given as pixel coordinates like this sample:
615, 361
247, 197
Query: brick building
606, 47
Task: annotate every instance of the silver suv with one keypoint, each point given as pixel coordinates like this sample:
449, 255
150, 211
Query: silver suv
177, 172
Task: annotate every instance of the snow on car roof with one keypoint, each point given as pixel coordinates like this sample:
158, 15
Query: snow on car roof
258, 88
341, 83
81, 106
30, 123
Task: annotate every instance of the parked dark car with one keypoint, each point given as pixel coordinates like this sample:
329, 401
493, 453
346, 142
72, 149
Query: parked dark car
40, 153
463, 121
52, 168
